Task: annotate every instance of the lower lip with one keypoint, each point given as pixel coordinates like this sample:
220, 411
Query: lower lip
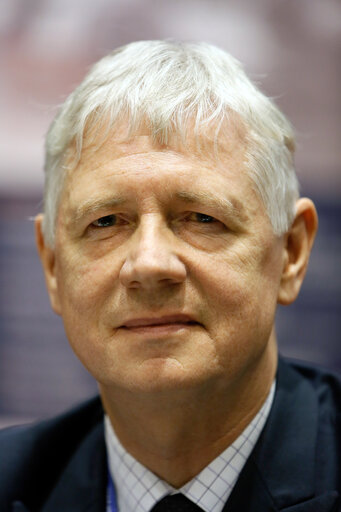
159, 330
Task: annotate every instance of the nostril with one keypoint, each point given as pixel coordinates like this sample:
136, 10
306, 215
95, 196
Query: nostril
133, 284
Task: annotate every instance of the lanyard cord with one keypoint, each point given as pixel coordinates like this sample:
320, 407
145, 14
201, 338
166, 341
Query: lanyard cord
111, 494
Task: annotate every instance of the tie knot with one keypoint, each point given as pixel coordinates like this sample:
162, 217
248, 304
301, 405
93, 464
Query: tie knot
175, 503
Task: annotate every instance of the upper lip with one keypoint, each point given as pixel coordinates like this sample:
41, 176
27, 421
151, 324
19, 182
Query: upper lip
160, 320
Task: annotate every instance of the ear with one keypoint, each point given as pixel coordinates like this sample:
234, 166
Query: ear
48, 260
298, 244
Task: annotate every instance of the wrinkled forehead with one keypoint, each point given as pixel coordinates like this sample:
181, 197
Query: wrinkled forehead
208, 142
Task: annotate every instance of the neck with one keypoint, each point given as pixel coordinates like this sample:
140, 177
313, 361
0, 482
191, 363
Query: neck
179, 432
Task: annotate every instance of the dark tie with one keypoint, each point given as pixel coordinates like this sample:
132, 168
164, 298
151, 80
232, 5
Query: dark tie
175, 503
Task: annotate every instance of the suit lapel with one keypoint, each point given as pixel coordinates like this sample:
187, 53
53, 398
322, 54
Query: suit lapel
251, 494
83, 483
280, 473
18, 506
327, 502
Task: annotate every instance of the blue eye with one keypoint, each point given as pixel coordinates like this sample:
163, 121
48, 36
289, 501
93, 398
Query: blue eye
105, 222
202, 217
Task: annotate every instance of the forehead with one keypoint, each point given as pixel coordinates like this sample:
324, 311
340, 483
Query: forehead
207, 142
198, 163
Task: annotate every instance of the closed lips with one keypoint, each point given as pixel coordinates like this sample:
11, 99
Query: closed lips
163, 320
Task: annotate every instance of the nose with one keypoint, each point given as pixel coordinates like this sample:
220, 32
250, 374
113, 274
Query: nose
152, 260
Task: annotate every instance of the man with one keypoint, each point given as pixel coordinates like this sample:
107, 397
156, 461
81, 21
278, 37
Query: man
172, 228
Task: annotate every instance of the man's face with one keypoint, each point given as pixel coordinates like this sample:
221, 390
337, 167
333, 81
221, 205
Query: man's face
166, 270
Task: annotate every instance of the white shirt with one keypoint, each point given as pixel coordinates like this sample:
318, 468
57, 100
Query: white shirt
138, 489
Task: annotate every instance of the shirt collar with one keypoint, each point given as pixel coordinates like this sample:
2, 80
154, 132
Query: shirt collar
138, 489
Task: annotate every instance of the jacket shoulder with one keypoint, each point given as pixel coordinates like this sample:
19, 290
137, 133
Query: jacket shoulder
319, 408
33, 455
325, 384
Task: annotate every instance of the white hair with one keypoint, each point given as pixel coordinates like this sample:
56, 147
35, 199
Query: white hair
167, 85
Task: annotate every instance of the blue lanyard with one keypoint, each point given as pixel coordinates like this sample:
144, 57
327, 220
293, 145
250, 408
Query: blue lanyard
111, 494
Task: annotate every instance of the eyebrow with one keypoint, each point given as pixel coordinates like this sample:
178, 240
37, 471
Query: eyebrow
92, 206
230, 206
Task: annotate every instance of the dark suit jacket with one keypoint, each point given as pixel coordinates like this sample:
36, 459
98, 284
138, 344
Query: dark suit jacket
60, 465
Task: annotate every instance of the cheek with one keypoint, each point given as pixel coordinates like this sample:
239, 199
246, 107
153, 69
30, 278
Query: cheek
241, 288
242, 316
227, 282
84, 285
84, 289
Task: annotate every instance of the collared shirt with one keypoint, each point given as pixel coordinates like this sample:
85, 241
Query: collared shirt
138, 489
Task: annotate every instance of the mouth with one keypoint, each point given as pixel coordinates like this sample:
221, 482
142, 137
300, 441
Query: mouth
162, 324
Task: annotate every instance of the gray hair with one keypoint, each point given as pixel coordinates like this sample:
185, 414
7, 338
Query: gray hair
169, 84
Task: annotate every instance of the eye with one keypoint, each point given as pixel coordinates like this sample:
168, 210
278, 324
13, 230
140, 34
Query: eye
202, 222
202, 218
105, 222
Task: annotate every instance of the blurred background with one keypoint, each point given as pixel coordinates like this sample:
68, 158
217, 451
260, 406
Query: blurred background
291, 47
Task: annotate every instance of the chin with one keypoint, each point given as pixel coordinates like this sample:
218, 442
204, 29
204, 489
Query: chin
161, 374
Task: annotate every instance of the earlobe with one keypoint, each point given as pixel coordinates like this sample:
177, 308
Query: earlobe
298, 244
47, 258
